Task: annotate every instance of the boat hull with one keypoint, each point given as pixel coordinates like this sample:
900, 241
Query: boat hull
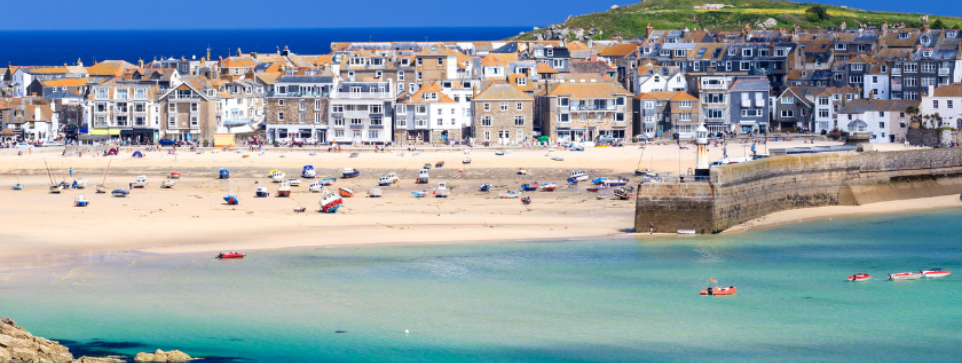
721, 291
18, 187
231, 200
904, 276
935, 274
350, 175
262, 194
859, 277
283, 193
80, 203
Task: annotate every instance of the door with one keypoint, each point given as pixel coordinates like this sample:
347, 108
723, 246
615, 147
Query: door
503, 137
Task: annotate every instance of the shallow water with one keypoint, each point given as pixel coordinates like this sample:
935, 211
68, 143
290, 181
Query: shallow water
620, 300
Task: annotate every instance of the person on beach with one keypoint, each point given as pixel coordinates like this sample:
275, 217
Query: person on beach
651, 227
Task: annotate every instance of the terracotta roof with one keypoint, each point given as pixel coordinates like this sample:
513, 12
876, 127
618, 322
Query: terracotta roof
666, 96
499, 59
587, 89
114, 68
238, 62
949, 90
65, 82
436, 50
432, 87
619, 50
47, 70
576, 46
502, 92
544, 68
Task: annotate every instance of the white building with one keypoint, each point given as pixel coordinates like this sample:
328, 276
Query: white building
361, 112
945, 101
884, 120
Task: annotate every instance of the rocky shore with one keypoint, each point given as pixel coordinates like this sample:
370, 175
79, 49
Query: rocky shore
17, 345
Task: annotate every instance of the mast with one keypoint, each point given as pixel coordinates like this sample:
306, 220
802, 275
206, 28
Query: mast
104, 183
49, 176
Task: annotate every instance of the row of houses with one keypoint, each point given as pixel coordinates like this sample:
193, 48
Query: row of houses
659, 85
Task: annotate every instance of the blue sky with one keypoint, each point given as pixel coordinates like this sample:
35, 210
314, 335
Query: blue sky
221, 14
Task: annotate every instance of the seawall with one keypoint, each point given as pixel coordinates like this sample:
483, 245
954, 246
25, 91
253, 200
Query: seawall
739, 193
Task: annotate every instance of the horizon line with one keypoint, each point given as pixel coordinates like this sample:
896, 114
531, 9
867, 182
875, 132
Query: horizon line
195, 29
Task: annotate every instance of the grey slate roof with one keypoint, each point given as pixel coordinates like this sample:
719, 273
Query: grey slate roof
305, 79
869, 105
751, 84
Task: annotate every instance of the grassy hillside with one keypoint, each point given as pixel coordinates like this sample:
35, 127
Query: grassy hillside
630, 20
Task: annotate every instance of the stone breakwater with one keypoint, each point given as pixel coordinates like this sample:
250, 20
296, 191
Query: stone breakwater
742, 192
19, 346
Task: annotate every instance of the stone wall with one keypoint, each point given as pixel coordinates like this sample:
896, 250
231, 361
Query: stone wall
742, 192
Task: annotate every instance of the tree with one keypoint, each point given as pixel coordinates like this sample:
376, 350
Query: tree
938, 24
820, 11
913, 113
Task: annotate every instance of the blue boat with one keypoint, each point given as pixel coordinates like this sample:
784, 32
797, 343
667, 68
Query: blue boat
120, 193
418, 194
485, 187
224, 174
18, 187
530, 187
308, 172
573, 181
81, 201
385, 181
262, 192
350, 173
231, 199
598, 181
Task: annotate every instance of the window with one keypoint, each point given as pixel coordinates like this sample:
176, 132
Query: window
874, 79
101, 93
839, 46
823, 113
837, 76
684, 117
357, 121
372, 134
779, 52
422, 110
487, 136
948, 104
440, 122
487, 107
504, 106
317, 118
564, 117
519, 120
557, 63
855, 79
141, 94
619, 117
881, 125
754, 112
911, 82
377, 109
713, 113
301, 118
486, 121
280, 116
788, 100
562, 101
744, 66
685, 104
280, 102
649, 104
338, 121
928, 81
858, 67
338, 133
193, 121
171, 121
747, 52
120, 94
301, 105
378, 74
440, 61
420, 61
935, 103
679, 53
401, 122
787, 113
713, 98
337, 108
910, 67
520, 106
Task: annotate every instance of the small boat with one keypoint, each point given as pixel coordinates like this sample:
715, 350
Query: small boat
617, 182
18, 186
442, 190
331, 202
513, 194
261, 192
905, 276
141, 182
315, 187
328, 181
859, 277
426, 166
168, 183
423, 176
599, 181
593, 189
602, 195
393, 177
56, 189
558, 158
499, 153
223, 174
354, 155
521, 171
530, 187
686, 231
276, 176
579, 175
624, 193
485, 187
231, 199
174, 175
101, 189
526, 200
230, 254
80, 201
80, 183
573, 181
294, 182
714, 290
349, 173
384, 181
375, 192
300, 210
120, 193
439, 164
419, 194
308, 172
550, 187
935, 273
345, 192
466, 161
284, 190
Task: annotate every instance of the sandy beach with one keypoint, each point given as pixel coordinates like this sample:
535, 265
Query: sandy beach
43, 229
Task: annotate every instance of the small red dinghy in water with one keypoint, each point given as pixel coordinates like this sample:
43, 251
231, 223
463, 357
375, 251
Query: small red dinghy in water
860, 277
935, 272
230, 254
714, 290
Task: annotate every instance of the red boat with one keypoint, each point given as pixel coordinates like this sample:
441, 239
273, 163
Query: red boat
230, 254
935, 272
860, 277
714, 290
174, 175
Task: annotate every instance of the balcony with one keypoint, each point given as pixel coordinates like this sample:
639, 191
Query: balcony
357, 113
195, 127
718, 87
896, 71
746, 103
100, 125
357, 126
421, 126
943, 71
897, 87
593, 107
618, 123
359, 95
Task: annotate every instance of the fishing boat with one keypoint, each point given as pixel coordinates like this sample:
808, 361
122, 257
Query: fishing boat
308, 172
422, 176
174, 175
315, 187
375, 192
573, 181
550, 187
384, 181
350, 173
859, 277
331, 202
419, 194
578, 176
230, 254
602, 195
354, 155
526, 200
168, 183
599, 181
511, 194
485, 187
530, 187
300, 210
426, 166
499, 153
284, 190
617, 182
261, 192
905, 276
223, 174
80, 201
393, 177
345, 192
231, 199
141, 182
714, 290
935, 273
442, 190
521, 171
56, 189
686, 231
294, 182
328, 181
439, 164
623, 193
276, 176
593, 189
120, 193
80, 183
466, 161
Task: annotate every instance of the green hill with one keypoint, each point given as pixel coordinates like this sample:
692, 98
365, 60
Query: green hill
630, 20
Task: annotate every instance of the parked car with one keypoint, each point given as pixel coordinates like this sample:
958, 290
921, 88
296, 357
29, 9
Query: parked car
166, 142
604, 140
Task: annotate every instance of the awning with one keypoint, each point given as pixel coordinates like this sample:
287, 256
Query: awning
747, 123
105, 132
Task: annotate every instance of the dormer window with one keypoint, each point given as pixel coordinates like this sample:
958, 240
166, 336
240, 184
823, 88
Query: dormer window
647, 50
924, 39
550, 52
779, 52
839, 46
522, 81
884, 69
763, 52
903, 35
927, 53
679, 53
747, 52
950, 34
665, 53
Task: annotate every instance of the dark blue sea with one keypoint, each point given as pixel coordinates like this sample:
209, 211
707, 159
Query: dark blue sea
57, 47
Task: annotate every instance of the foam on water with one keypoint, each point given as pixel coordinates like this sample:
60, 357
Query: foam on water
608, 301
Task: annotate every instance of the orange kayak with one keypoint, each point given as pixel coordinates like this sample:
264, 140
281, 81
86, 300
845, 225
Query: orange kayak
720, 291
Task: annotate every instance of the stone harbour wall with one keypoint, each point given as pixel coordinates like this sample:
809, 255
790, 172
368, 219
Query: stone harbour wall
742, 192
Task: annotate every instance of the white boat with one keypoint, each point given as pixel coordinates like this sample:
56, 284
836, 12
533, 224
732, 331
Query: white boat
385, 181
686, 231
80, 201
375, 192
423, 176
393, 177
331, 202
56, 189
276, 176
168, 183
905, 276
512, 194
558, 158
935, 273
284, 190
141, 182
315, 187
80, 183
294, 182
579, 175
442, 190
261, 192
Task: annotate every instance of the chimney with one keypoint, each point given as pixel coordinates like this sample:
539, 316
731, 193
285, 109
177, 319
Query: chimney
931, 90
794, 29
745, 30
648, 30
208, 52
594, 56
842, 26
885, 26
239, 52
925, 26
140, 62
79, 62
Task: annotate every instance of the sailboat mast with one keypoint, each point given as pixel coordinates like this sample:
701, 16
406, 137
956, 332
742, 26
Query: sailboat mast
104, 183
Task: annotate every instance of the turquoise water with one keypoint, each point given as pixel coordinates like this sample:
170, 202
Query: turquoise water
621, 300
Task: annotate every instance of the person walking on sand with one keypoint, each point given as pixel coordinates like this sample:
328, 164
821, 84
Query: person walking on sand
651, 227
71, 171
